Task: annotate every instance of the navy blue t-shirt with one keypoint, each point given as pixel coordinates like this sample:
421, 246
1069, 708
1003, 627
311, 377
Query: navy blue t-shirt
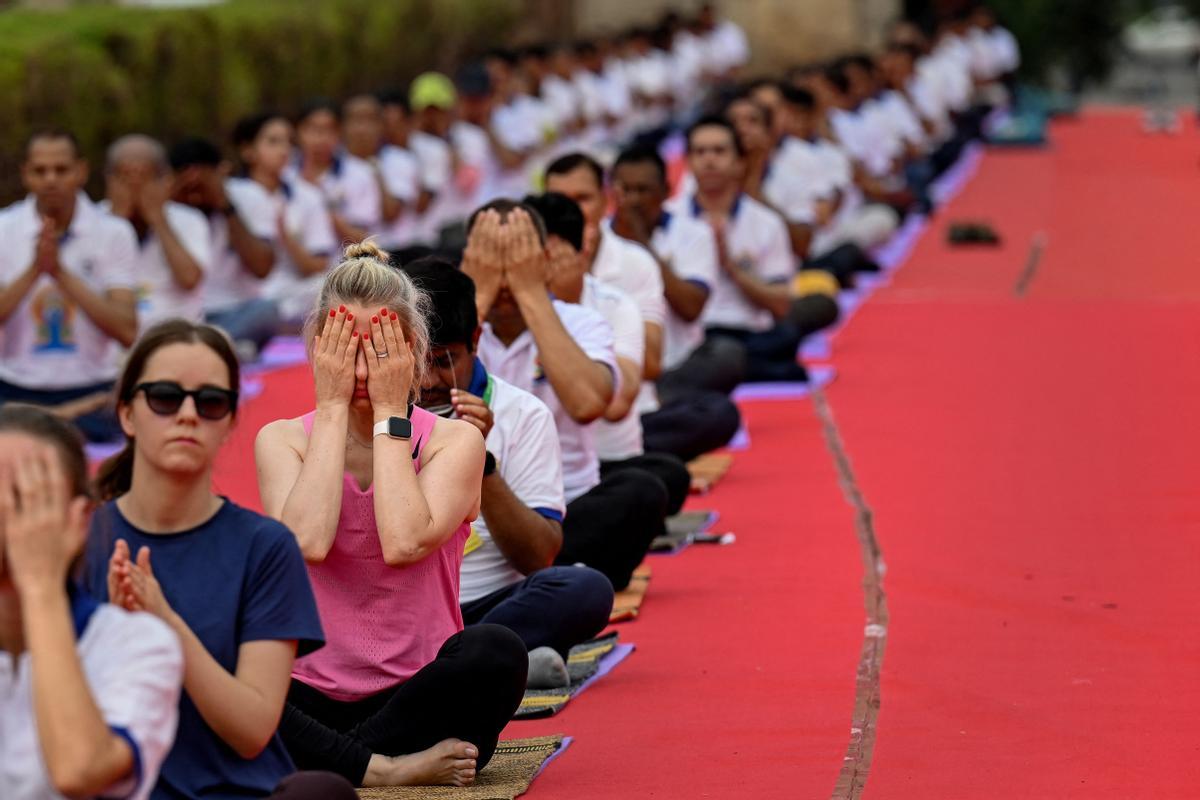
237, 578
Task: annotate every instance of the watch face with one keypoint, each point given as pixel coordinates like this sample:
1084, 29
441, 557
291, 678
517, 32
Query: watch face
399, 428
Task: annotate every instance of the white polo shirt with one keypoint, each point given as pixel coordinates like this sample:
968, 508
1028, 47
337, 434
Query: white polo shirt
689, 249
518, 364
795, 179
757, 240
401, 178
229, 283
628, 266
524, 441
133, 667
617, 441
48, 342
306, 219
349, 187
159, 296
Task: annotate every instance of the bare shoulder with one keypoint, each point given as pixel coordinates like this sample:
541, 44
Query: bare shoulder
283, 433
454, 434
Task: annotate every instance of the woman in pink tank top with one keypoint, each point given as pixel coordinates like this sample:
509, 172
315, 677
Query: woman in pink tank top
380, 495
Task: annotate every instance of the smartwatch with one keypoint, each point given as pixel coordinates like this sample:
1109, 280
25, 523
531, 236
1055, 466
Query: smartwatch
394, 428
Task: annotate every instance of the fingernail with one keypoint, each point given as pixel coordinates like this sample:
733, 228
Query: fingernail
332, 313
354, 335
350, 318
341, 309
383, 311
393, 317
374, 320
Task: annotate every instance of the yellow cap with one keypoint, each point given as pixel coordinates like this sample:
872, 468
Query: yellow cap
432, 89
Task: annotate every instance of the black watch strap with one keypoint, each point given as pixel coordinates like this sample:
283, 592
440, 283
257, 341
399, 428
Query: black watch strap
489, 464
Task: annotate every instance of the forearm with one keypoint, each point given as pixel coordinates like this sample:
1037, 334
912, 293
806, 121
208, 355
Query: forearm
315, 502
237, 713
684, 297
12, 295
118, 320
306, 263
82, 754
508, 158
584, 387
184, 269
345, 230
800, 237
652, 363
624, 398
773, 297
256, 255
390, 208
407, 531
527, 539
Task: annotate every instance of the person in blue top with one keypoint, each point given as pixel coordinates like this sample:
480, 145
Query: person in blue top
229, 582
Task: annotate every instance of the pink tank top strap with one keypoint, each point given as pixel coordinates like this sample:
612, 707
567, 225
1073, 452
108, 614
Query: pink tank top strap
307, 419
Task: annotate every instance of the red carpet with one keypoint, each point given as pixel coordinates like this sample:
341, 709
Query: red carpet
1031, 466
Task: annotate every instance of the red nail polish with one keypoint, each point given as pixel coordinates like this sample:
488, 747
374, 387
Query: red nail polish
383, 311
375, 320
354, 335
350, 318
341, 309
393, 317
332, 313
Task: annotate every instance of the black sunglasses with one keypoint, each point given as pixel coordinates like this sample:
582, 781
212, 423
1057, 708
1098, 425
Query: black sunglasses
166, 397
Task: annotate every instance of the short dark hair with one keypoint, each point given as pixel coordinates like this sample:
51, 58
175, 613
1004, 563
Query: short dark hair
194, 151
453, 317
50, 134
562, 216
716, 121
799, 98
504, 54
394, 97
835, 73
315, 106
247, 129
538, 51
506, 206
641, 154
767, 115
906, 48
573, 161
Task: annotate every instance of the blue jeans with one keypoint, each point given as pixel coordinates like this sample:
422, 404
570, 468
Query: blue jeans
96, 426
555, 607
252, 321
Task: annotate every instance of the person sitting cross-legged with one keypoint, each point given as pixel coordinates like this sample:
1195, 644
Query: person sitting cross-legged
507, 577
562, 354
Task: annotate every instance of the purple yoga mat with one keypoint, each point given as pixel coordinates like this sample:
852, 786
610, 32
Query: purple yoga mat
607, 663
819, 376
562, 748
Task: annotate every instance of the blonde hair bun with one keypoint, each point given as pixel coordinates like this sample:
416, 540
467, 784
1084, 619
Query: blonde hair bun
366, 249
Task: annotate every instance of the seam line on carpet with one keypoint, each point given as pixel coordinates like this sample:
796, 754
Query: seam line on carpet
1036, 247
856, 764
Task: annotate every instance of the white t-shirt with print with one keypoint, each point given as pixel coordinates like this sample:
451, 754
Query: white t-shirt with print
48, 342
348, 188
757, 240
229, 283
519, 365
133, 666
401, 178
159, 295
524, 441
689, 249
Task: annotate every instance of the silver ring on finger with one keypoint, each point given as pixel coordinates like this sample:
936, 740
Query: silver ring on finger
381, 355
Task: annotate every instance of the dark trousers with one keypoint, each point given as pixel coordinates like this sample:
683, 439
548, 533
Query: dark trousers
843, 262
555, 607
610, 528
770, 354
469, 692
667, 468
714, 366
812, 313
314, 786
691, 425
96, 426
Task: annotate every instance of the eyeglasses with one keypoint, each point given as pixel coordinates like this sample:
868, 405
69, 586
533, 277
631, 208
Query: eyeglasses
166, 398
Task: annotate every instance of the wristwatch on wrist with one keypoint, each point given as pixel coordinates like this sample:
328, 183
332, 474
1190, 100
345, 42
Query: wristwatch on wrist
489, 464
227, 210
394, 428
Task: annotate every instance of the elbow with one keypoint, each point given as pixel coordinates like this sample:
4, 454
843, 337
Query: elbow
127, 333
192, 281
73, 773
260, 266
404, 555
314, 552
589, 409
252, 746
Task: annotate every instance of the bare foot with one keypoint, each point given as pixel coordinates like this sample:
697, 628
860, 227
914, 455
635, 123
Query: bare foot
450, 762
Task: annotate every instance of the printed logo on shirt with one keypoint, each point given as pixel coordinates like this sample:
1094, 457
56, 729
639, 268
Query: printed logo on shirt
539, 374
54, 322
142, 298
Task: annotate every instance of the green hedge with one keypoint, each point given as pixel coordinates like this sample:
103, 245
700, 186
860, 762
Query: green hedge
102, 71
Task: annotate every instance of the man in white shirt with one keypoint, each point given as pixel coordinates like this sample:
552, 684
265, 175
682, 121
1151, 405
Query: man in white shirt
728, 48
751, 300
618, 435
507, 574
695, 414
174, 251
394, 168
453, 156
413, 163
67, 290
236, 249
563, 355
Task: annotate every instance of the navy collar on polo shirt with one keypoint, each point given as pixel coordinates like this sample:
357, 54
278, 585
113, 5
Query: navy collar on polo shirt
664, 220
697, 211
479, 379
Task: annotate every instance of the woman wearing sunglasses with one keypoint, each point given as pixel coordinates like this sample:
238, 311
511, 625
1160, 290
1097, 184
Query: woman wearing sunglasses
88, 692
231, 583
380, 495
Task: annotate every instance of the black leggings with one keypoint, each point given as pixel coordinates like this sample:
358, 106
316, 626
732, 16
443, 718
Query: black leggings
469, 692
314, 786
